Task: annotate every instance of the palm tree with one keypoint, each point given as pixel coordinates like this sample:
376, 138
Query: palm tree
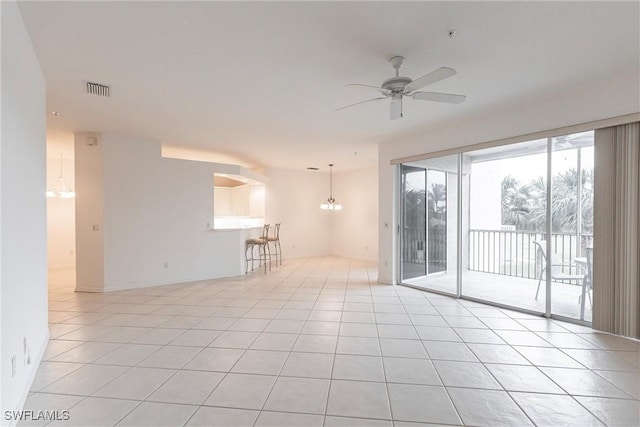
437, 204
525, 206
515, 203
414, 209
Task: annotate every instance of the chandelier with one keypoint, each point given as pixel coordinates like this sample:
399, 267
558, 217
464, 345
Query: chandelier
63, 191
330, 204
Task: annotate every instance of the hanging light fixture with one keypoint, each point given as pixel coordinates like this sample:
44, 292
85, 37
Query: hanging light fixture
64, 191
330, 204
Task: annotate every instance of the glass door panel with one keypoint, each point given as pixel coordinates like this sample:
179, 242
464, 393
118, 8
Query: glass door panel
505, 224
572, 174
414, 215
437, 221
429, 224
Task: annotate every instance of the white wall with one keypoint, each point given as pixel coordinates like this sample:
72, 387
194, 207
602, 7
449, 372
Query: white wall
485, 196
61, 226
89, 212
149, 210
615, 96
354, 230
156, 213
293, 199
23, 285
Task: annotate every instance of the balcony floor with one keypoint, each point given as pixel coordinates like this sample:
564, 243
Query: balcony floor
513, 291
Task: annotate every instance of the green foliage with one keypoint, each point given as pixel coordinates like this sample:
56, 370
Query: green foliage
436, 207
525, 205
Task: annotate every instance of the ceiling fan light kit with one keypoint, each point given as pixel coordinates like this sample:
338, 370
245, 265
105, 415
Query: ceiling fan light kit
398, 87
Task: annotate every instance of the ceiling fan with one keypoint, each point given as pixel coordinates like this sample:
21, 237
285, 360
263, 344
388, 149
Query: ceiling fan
399, 87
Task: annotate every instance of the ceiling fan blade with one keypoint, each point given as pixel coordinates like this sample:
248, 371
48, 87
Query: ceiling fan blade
379, 89
396, 108
448, 98
361, 102
361, 85
432, 77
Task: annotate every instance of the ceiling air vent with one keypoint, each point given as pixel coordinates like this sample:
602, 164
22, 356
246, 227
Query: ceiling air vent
98, 89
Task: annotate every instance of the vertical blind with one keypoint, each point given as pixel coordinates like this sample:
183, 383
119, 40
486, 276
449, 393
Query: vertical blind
616, 256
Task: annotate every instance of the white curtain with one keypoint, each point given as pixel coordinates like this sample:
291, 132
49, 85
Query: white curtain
616, 256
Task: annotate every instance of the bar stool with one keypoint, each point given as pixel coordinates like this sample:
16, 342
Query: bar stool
264, 253
276, 244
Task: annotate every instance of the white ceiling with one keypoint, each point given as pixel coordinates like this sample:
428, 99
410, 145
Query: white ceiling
260, 80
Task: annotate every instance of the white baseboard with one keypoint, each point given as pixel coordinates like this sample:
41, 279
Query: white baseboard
32, 374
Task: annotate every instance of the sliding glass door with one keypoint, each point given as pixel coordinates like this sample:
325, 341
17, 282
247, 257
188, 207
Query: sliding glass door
414, 229
428, 229
507, 225
572, 174
524, 226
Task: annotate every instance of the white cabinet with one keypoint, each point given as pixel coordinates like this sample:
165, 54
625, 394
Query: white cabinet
240, 200
243, 204
221, 201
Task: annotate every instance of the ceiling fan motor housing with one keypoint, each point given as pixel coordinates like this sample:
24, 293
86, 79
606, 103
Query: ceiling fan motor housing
396, 84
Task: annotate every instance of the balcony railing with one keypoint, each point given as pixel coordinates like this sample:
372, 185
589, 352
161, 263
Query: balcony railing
513, 253
415, 249
505, 252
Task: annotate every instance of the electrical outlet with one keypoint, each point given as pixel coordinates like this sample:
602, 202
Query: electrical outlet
13, 366
166, 264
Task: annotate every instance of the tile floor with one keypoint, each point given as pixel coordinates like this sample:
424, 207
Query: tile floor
317, 342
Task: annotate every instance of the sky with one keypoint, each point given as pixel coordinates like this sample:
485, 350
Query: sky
528, 167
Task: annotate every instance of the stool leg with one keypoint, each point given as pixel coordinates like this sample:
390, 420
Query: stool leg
253, 256
279, 249
267, 249
246, 258
275, 251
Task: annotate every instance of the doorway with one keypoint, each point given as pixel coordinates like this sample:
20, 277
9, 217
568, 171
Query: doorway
428, 230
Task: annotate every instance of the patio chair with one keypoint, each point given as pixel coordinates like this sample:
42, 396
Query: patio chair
557, 272
588, 277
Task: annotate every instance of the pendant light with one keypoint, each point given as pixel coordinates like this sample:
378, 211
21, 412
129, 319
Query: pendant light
64, 192
330, 204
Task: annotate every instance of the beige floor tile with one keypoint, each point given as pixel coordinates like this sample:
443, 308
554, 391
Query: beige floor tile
187, 387
302, 395
358, 399
416, 403
170, 357
284, 335
261, 362
223, 417
487, 407
95, 411
154, 414
410, 371
242, 391
136, 383
128, 355
312, 365
613, 412
554, 410
86, 380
